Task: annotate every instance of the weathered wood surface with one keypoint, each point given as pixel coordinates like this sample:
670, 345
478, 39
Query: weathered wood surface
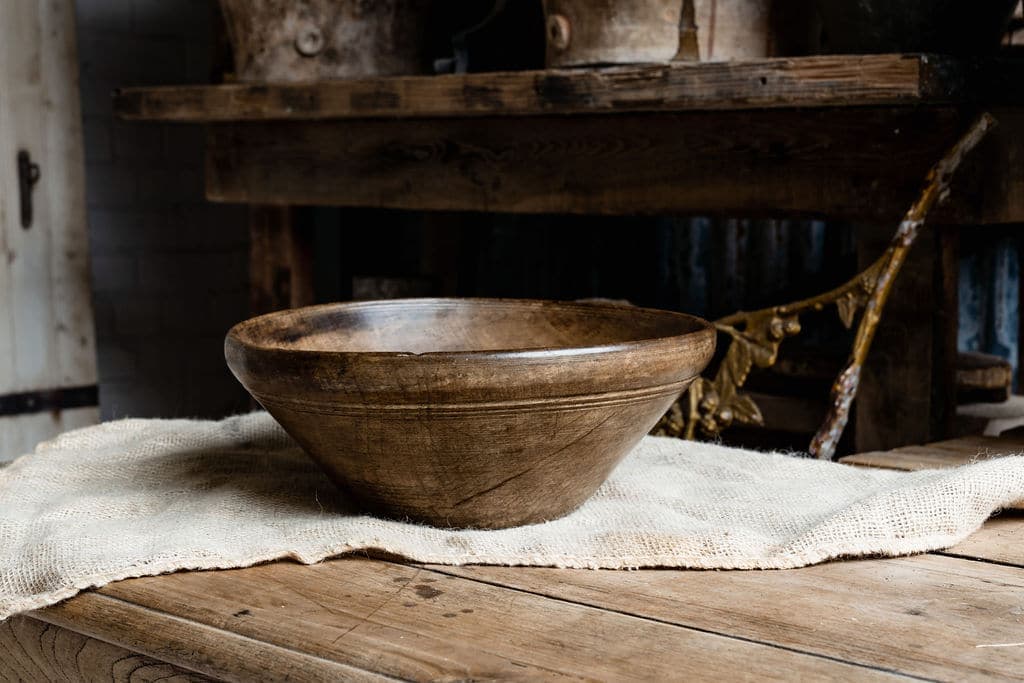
904, 615
47, 340
945, 329
866, 163
32, 650
416, 623
833, 81
1000, 540
837, 162
950, 453
833, 136
921, 457
996, 192
280, 260
221, 653
982, 377
923, 616
950, 615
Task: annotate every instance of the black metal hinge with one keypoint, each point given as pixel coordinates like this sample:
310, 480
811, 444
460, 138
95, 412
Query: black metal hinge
28, 176
49, 400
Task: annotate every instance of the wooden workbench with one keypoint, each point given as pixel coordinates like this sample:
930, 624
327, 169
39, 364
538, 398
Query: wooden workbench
953, 615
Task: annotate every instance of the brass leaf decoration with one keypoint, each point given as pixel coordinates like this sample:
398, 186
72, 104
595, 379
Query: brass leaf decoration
848, 307
762, 354
735, 368
746, 411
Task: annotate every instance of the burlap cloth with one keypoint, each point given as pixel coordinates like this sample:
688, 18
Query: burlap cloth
143, 497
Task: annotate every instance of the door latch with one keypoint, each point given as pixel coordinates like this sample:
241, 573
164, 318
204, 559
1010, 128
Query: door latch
28, 176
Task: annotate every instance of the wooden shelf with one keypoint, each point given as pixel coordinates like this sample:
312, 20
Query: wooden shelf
836, 136
828, 81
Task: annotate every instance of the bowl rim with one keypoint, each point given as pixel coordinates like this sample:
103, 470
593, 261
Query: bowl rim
702, 328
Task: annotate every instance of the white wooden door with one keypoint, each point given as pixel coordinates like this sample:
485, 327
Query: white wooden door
47, 342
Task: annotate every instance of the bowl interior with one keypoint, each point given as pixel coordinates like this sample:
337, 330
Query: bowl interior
448, 325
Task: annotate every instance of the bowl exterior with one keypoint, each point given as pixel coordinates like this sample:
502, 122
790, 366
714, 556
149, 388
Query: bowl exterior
480, 468
481, 440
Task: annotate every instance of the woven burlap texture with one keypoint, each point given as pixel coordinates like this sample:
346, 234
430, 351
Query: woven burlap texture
143, 497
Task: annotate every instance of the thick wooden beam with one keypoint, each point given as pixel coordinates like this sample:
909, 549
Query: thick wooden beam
862, 162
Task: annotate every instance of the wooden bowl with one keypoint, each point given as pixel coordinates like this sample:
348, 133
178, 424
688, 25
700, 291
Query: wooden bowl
483, 413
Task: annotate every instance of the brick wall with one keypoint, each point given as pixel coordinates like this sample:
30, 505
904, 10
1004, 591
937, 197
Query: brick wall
169, 269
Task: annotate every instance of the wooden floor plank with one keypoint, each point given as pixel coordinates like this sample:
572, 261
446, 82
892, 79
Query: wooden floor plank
1012, 442
1000, 540
220, 653
927, 616
416, 623
942, 454
31, 650
910, 458
949, 452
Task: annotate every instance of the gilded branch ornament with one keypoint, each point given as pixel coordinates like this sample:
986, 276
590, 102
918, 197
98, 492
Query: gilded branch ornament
713, 404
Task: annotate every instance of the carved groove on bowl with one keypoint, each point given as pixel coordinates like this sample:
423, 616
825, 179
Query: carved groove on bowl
585, 402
